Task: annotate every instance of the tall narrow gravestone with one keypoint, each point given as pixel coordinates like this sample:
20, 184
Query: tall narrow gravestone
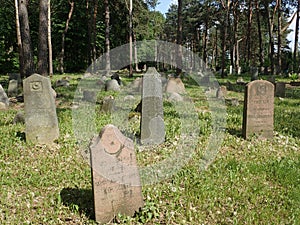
152, 120
116, 181
40, 112
258, 116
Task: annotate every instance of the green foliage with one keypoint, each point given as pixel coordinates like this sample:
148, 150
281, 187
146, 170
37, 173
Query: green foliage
250, 181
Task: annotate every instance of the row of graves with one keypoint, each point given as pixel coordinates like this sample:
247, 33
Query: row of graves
115, 175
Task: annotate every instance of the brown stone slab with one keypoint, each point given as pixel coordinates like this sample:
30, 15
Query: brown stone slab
115, 175
258, 115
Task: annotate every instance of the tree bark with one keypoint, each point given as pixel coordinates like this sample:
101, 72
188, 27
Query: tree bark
261, 50
43, 39
179, 40
107, 41
49, 40
28, 64
279, 22
61, 68
295, 53
19, 40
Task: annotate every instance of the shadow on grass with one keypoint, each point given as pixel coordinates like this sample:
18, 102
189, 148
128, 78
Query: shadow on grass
80, 200
235, 132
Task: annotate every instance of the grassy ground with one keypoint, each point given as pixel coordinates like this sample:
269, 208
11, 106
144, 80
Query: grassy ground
250, 181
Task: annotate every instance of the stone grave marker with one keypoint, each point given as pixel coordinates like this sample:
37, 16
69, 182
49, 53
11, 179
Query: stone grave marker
112, 85
152, 119
175, 84
254, 73
108, 104
280, 89
3, 97
40, 111
115, 175
12, 90
259, 109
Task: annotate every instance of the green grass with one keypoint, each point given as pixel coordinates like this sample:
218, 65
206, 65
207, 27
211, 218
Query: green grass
249, 182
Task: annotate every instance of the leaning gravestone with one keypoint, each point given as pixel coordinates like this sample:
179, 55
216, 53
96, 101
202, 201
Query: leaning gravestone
175, 84
115, 175
259, 109
40, 112
152, 122
3, 97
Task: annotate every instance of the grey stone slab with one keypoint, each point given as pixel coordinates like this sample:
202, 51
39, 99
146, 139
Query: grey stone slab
40, 111
152, 119
3, 96
12, 90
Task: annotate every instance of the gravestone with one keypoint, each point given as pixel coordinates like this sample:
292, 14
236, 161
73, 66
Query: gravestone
40, 112
3, 97
221, 92
152, 119
115, 175
107, 104
12, 90
259, 109
175, 97
280, 89
254, 73
175, 85
112, 85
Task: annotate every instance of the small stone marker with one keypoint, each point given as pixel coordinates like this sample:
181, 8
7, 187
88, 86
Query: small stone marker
175, 85
254, 73
40, 112
12, 90
115, 175
112, 85
259, 109
108, 104
152, 122
280, 89
3, 97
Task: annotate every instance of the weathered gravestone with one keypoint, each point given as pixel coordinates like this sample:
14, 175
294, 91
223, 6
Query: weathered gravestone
3, 97
40, 112
259, 109
112, 85
152, 120
12, 90
280, 89
108, 104
115, 175
176, 85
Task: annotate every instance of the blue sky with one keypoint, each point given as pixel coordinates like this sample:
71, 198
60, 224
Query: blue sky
163, 6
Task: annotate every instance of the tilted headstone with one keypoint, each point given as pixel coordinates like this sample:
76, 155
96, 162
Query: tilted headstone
3, 96
115, 175
259, 109
152, 120
175, 85
40, 111
280, 89
12, 90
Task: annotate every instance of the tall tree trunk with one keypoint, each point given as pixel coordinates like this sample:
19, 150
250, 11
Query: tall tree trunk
42, 66
130, 40
28, 64
279, 38
295, 54
61, 68
135, 53
107, 42
94, 33
249, 27
204, 54
49, 39
179, 40
19, 40
223, 43
271, 42
261, 50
